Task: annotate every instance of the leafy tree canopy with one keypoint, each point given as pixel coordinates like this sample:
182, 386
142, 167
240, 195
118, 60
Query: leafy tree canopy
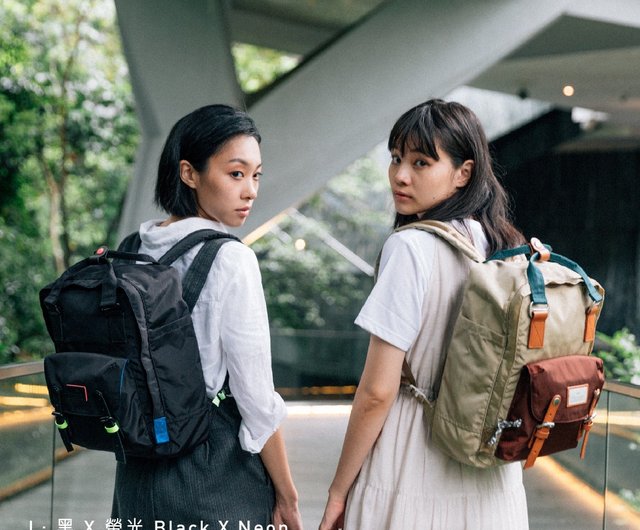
69, 136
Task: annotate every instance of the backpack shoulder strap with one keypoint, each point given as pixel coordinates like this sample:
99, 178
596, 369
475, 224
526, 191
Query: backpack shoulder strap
459, 242
131, 243
196, 275
190, 241
198, 271
450, 235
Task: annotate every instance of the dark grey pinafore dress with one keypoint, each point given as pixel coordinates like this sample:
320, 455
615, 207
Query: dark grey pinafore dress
218, 481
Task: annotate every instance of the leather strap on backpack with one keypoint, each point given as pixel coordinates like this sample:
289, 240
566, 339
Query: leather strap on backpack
588, 423
542, 431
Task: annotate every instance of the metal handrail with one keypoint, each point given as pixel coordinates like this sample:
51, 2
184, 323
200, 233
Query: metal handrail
625, 389
21, 369
37, 367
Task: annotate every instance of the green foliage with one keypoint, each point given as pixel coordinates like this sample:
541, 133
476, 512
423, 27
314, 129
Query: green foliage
22, 331
258, 67
69, 136
621, 356
316, 287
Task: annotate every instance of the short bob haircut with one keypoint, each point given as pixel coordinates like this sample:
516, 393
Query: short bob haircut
195, 138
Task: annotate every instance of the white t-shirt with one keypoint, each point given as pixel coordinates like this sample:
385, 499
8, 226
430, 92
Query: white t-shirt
231, 325
393, 310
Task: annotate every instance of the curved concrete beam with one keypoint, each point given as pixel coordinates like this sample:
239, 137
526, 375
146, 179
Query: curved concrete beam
343, 102
331, 110
179, 59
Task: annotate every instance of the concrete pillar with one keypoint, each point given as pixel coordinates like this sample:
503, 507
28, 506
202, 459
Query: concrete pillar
179, 59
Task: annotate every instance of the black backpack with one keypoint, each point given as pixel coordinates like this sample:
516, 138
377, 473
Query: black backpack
126, 376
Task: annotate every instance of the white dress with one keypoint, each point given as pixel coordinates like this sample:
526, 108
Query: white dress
407, 483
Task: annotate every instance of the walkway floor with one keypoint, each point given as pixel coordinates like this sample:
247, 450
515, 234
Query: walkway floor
314, 436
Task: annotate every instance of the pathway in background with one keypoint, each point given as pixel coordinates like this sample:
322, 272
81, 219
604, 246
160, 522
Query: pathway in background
314, 435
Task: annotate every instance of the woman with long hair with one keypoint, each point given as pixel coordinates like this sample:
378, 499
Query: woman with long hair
390, 475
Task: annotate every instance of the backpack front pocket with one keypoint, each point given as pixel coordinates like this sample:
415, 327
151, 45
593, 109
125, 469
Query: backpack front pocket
554, 401
96, 400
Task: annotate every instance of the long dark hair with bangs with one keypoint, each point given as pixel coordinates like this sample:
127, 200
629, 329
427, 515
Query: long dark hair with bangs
456, 130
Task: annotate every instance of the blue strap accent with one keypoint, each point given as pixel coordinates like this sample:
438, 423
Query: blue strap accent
510, 252
160, 429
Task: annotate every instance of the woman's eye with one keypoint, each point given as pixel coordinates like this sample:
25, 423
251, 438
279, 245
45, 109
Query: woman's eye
237, 174
257, 176
421, 163
395, 159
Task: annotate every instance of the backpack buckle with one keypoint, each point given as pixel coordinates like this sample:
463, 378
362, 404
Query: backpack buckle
100, 254
538, 314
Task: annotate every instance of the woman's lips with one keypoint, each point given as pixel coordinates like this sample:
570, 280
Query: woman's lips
401, 196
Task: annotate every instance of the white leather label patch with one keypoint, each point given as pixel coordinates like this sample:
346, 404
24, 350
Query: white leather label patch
577, 395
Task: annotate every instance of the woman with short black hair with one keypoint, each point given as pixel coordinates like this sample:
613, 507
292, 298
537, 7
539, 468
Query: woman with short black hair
208, 178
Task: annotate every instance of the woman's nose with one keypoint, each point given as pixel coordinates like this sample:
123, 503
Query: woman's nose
251, 189
401, 174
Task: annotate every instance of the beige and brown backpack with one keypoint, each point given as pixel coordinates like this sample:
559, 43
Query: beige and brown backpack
518, 379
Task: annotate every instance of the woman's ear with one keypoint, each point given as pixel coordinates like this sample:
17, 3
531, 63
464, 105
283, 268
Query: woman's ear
464, 173
188, 174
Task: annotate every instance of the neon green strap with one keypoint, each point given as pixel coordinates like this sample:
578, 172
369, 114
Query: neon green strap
62, 425
112, 429
220, 396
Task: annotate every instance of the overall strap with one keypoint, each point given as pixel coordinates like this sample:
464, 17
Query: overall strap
131, 243
449, 234
465, 246
198, 271
410, 382
190, 241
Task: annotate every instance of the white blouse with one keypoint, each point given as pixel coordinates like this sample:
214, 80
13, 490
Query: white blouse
231, 325
393, 310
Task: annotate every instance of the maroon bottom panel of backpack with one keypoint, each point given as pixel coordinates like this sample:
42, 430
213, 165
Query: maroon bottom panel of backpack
576, 379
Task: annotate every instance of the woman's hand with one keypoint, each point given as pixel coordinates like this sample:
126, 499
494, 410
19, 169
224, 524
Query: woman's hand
288, 514
333, 518
274, 457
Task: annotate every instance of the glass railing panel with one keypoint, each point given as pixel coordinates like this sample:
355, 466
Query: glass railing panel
26, 445
310, 364
566, 492
622, 498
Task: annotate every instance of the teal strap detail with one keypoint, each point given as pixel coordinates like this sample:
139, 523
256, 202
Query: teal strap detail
510, 252
536, 280
566, 262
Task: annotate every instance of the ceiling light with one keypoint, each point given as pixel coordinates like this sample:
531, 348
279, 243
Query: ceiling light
568, 90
